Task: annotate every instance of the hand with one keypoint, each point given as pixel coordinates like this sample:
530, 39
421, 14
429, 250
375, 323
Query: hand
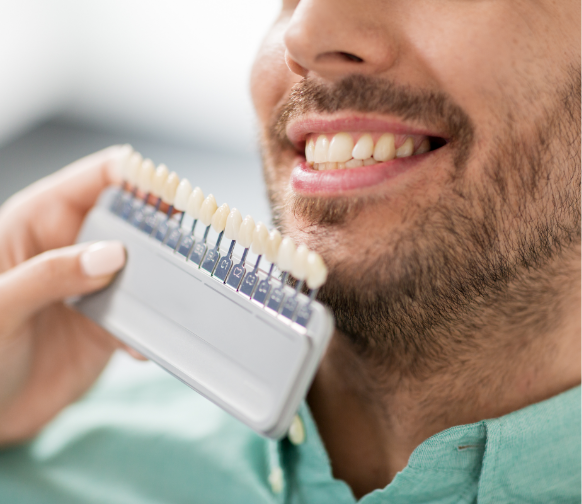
49, 354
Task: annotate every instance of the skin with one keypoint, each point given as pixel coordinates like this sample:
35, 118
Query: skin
49, 354
514, 344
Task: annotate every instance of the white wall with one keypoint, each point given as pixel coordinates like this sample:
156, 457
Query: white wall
176, 69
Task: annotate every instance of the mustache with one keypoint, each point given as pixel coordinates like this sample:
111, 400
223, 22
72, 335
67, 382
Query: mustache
362, 93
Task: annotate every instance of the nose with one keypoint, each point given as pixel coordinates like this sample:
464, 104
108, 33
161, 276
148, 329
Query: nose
335, 38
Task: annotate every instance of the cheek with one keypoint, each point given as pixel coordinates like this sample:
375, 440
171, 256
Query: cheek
270, 77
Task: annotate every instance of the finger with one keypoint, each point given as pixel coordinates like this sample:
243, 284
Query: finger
55, 275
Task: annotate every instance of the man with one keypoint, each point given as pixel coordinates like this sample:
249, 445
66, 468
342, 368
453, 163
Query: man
430, 152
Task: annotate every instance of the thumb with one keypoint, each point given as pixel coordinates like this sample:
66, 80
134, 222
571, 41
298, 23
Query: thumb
55, 275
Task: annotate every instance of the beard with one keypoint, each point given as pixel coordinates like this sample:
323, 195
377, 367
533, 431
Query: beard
481, 258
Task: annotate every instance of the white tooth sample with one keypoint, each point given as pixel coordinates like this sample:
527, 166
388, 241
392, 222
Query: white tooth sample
354, 163
369, 161
340, 148
321, 148
364, 147
219, 218
170, 188
182, 194
159, 180
310, 151
260, 237
246, 231
207, 209
316, 271
423, 147
299, 268
272, 246
384, 149
233, 222
195, 203
286, 254
146, 176
406, 149
123, 162
133, 168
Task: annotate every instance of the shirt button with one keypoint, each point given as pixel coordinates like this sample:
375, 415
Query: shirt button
296, 432
276, 480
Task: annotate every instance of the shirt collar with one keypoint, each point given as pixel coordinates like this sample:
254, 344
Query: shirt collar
531, 455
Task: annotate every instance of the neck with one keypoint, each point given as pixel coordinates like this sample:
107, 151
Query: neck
372, 413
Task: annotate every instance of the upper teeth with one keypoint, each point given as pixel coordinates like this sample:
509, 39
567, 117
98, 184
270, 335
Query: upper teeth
341, 152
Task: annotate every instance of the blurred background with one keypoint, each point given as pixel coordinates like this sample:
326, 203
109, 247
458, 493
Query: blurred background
170, 77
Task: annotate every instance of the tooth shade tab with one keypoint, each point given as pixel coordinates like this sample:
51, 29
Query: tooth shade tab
146, 176
170, 188
364, 147
321, 149
160, 177
286, 254
246, 231
233, 222
340, 148
299, 268
133, 168
406, 149
316, 271
310, 150
260, 237
385, 149
123, 163
182, 194
272, 245
207, 209
219, 218
195, 203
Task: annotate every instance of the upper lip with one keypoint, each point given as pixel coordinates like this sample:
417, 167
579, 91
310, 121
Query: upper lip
297, 129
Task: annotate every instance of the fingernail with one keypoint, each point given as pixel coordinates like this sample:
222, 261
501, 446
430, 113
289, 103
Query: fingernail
103, 258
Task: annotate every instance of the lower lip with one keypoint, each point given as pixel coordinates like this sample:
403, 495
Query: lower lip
306, 180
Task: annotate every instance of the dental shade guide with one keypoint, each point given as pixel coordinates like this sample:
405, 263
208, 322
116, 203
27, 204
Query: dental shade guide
249, 346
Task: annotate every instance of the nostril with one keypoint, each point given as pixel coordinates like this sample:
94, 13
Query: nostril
351, 57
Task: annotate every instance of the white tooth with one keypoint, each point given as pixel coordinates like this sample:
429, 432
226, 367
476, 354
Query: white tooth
341, 166
321, 148
246, 231
316, 271
299, 269
233, 222
331, 166
146, 176
272, 246
286, 254
406, 149
309, 150
207, 209
354, 163
423, 147
385, 149
260, 237
170, 187
316, 166
219, 218
123, 162
340, 148
195, 203
133, 168
364, 147
369, 161
159, 180
182, 194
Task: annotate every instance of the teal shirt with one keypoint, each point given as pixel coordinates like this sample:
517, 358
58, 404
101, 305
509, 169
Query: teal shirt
151, 440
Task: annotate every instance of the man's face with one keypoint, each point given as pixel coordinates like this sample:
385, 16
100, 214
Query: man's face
416, 243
